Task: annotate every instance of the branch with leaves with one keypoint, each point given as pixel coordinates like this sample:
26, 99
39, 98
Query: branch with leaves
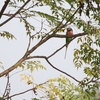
28, 53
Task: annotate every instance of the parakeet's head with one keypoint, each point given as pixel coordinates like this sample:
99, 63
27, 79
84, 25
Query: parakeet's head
69, 29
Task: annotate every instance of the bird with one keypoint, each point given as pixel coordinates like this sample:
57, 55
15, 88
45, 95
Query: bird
69, 32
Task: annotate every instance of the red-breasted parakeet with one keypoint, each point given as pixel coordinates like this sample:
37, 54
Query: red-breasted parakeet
68, 39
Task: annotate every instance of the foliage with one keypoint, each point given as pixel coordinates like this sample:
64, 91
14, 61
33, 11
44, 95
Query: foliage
27, 78
61, 88
59, 17
31, 65
7, 35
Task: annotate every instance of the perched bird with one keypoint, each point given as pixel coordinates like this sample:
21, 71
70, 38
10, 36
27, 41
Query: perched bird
68, 33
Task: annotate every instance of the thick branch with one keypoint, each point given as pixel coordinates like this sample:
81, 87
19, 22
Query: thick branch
12, 67
4, 7
64, 36
15, 13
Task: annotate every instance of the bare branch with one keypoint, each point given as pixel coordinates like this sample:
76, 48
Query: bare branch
65, 36
62, 71
31, 57
4, 7
39, 30
46, 58
50, 36
7, 89
56, 51
32, 89
15, 13
59, 49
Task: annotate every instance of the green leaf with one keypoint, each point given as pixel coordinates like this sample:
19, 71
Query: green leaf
7, 35
32, 65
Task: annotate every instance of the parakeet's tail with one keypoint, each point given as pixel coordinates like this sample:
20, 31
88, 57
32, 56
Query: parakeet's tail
66, 52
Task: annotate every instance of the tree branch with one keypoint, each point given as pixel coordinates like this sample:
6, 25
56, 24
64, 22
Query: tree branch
34, 48
14, 14
60, 48
64, 36
56, 51
46, 58
24, 57
4, 7
7, 90
32, 89
5, 72
38, 44
21, 93
62, 71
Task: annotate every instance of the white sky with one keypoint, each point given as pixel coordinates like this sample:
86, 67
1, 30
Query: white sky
12, 50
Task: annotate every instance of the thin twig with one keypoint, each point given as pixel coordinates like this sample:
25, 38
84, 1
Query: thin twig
32, 89
34, 35
29, 43
59, 49
39, 30
56, 51
18, 72
27, 9
6, 86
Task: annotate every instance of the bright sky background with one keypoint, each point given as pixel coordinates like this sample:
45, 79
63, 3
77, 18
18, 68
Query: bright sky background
12, 50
